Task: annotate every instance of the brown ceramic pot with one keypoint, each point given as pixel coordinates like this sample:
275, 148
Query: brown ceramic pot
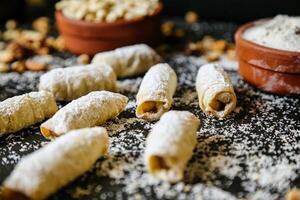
88, 37
269, 69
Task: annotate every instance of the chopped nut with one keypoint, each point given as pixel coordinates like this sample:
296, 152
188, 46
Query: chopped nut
42, 25
83, 59
212, 56
34, 65
219, 45
293, 194
11, 35
194, 48
17, 49
59, 44
167, 28
11, 24
18, 66
50, 42
207, 43
2, 46
4, 67
179, 33
191, 17
43, 51
6, 56
231, 54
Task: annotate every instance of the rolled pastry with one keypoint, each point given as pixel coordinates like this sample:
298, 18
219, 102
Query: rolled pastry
155, 95
43, 172
170, 145
25, 110
87, 111
215, 91
129, 61
71, 83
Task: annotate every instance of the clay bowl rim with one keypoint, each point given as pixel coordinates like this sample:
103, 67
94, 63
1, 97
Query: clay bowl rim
239, 38
119, 22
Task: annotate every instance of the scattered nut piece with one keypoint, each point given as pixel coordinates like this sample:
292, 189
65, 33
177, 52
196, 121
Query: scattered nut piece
2, 46
179, 33
6, 56
59, 43
17, 50
42, 25
231, 54
43, 51
11, 35
207, 43
191, 17
213, 56
167, 28
18, 66
4, 67
34, 65
219, 45
293, 194
83, 59
194, 48
11, 24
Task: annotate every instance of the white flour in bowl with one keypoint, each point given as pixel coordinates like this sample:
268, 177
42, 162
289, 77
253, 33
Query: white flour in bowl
282, 32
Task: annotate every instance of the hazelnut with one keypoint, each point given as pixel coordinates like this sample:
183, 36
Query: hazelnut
231, 54
179, 33
11, 24
6, 56
191, 17
167, 28
4, 67
34, 65
219, 45
42, 25
18, 66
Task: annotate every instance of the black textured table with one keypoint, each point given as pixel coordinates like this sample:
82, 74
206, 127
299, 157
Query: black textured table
253, 154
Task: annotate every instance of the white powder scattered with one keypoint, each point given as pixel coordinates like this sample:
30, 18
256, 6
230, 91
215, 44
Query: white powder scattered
281, 32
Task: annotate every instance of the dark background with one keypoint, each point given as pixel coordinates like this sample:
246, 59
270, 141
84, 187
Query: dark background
220, 10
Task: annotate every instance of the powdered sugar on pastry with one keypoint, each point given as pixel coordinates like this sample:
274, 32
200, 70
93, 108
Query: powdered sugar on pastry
170, 145
129, 61
215, 91
25, 110
70, 83
43, 172
87, 111
155, 95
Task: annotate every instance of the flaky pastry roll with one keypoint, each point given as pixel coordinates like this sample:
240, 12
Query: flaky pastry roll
170, 145
43, 172
87, 111
71, 83
155, 95
25, 110
215, 91
130, 60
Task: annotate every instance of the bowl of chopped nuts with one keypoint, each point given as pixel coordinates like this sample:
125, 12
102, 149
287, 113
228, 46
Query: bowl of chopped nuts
88, 27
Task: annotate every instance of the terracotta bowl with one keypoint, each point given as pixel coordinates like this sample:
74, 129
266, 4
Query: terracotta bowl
90, 38
269, 69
